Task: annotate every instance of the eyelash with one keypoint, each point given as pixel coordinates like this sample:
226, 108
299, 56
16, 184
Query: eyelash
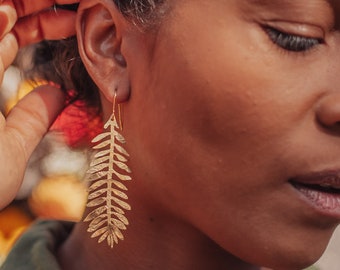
293, 43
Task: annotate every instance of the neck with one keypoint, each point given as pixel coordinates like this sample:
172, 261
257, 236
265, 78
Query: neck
150, 243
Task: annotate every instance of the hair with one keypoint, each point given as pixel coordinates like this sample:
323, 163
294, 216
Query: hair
141, 10
59, 61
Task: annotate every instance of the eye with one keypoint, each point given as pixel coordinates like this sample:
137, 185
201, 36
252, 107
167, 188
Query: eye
294, 43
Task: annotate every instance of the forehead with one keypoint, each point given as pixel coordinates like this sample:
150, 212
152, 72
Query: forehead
277, 4
327, 10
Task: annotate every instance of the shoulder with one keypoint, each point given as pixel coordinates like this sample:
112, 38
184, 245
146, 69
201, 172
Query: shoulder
36, 248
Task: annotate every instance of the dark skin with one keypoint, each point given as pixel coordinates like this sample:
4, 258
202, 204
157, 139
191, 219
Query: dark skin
218, 116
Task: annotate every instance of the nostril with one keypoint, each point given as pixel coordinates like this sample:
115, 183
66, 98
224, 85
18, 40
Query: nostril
331, 129
328, 112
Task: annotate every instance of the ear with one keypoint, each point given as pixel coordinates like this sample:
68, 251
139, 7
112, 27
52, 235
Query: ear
100, 28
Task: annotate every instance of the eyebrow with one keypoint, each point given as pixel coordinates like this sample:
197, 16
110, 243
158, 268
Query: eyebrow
296, 9
289, 2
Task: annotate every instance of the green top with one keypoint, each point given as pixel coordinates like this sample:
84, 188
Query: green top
37, 247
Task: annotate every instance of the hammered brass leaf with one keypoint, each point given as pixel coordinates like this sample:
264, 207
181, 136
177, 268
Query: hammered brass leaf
96, 194
95, 213
101, 136
122, 150
118, 210
122, 218
102, 145
122, 204
96, 202
103, 237
96, 176
122, 177
120, 224
96, 185
97, 220
102, 153
119, 184
95, 224
99, 231
106, 192
122, 166
99, 160
120, 157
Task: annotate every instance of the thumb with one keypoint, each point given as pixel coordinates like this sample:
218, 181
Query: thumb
30, 119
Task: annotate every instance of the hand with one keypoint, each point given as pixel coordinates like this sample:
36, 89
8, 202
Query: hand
18, 28
23, 22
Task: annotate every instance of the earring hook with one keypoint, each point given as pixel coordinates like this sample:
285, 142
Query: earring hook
120, 121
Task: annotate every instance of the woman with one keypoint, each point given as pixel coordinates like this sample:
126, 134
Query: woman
230, 115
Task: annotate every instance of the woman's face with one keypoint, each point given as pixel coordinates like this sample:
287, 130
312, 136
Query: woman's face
234, 114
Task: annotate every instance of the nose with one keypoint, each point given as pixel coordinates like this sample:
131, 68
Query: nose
328, 112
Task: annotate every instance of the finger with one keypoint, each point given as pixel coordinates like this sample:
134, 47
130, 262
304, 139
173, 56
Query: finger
26, 7
30, 119
8, 51
49, 25
8, 18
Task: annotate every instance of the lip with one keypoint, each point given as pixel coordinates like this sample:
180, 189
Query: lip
321, 191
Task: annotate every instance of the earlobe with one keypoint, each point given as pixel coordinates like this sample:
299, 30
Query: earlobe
99, 32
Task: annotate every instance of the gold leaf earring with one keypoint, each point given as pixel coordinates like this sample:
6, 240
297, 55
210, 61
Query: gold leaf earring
106, 192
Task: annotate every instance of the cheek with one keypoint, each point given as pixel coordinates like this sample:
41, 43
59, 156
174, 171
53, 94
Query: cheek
200, 106
218, 104
228, 106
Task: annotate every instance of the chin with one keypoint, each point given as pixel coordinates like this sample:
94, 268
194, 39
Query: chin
297, 259
291, 265
291, 251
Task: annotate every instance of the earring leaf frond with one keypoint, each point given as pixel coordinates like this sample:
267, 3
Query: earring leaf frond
106, 193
